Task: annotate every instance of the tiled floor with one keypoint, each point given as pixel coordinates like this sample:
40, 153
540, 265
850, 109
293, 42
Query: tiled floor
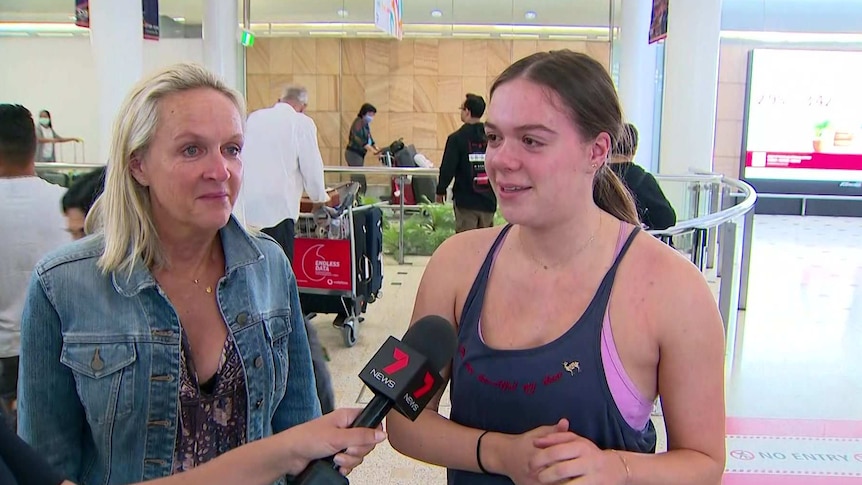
794, 388
800, 348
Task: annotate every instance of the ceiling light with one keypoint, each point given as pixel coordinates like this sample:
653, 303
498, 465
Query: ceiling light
530, 15
179, 19
436, 13
342, 12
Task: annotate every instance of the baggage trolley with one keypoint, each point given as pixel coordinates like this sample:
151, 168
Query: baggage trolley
332, 264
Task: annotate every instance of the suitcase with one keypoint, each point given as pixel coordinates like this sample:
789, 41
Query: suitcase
374, 251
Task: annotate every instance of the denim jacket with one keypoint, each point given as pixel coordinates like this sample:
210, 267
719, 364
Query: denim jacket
100, 359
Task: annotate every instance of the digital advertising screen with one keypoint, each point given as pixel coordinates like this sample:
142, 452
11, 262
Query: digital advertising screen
804, 117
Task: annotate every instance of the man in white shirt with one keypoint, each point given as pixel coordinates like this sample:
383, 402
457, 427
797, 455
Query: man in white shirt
280, 159
32, 225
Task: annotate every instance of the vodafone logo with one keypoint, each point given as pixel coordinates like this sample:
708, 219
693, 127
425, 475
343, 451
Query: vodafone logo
316, 267
401, 361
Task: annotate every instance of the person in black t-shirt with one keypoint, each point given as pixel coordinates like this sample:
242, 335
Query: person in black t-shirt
654, 210
464, 161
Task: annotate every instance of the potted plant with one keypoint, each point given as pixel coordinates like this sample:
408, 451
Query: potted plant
824, 136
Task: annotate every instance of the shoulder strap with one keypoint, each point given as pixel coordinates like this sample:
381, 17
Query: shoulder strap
477, 291
625, 247
608, 280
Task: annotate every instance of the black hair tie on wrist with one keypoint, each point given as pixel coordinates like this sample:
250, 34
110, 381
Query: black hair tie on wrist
478, 453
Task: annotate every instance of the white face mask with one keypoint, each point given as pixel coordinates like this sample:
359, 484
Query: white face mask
44, 121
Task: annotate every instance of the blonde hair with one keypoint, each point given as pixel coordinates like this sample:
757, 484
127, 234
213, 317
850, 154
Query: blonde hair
123, 212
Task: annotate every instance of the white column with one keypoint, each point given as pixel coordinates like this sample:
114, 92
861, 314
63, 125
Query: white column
637, 75
691, 85
116, 41
221, 45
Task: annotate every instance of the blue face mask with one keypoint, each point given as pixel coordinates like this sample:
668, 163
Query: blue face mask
368, 118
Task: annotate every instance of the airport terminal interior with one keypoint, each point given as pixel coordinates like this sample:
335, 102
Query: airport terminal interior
748, 113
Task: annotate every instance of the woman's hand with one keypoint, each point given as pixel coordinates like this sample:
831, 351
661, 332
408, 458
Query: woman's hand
511, 455
566, 458
327, 436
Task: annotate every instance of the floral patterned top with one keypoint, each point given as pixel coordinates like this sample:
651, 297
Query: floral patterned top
213, 413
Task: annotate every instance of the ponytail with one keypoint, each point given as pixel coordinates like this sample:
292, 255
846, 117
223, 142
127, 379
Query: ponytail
613, 197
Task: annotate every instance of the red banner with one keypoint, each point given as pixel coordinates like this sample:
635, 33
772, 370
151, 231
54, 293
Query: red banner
322, 264
822, 161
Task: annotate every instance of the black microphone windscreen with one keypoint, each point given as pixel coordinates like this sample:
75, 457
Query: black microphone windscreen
434, 337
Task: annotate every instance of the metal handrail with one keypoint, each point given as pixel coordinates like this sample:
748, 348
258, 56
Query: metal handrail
734, 239
390, 171
705, 178
394, 171
67, 166
712, 220
708, 220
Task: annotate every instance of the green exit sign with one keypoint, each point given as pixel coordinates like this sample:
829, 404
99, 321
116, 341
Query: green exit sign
247, 38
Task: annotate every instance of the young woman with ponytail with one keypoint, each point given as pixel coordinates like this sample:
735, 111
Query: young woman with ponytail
571, 321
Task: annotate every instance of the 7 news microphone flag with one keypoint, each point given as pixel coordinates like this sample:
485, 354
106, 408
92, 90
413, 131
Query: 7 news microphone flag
404, 375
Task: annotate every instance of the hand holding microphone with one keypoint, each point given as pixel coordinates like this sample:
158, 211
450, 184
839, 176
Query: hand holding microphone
330, 436
404, 375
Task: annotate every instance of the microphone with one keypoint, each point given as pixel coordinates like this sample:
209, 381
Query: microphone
403, 375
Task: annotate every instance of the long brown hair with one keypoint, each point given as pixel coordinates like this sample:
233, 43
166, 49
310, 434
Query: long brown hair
586, 89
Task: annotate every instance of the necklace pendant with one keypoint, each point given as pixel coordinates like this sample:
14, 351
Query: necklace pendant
209, 289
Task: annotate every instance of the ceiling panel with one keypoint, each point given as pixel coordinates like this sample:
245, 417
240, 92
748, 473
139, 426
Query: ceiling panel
549, 12
781, 15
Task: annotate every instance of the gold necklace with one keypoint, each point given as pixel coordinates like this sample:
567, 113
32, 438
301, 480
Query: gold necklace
209, 288
572, 256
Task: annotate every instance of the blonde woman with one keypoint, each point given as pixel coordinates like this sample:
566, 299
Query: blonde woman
170, 335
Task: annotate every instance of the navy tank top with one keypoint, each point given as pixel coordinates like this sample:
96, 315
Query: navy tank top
514, 391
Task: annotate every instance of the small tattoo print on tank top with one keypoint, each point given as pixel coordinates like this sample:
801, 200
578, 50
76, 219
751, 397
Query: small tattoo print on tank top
572, 366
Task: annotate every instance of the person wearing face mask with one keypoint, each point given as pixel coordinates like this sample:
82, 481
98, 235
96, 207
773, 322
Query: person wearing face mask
46, 138
360, 142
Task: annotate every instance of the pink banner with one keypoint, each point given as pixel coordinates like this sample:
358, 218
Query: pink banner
823, 161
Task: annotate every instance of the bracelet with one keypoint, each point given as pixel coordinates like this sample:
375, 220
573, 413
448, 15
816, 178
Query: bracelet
625, 464
479, 453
